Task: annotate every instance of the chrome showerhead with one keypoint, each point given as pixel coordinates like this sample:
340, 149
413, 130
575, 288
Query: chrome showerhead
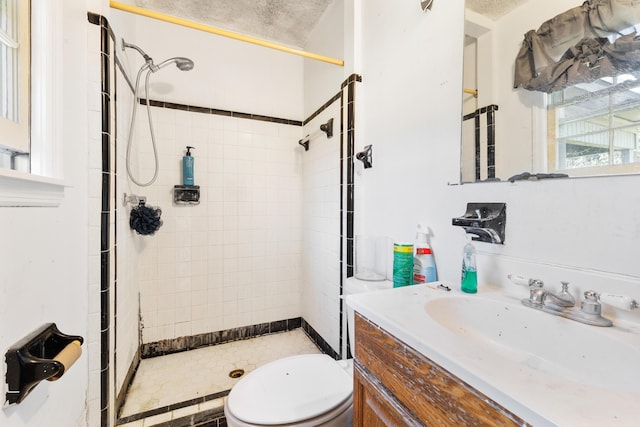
183, 64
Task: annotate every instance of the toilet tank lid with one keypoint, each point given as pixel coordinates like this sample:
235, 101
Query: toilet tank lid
357, 286
290, 390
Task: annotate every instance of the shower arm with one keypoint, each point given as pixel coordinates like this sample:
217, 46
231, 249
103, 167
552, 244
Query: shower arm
146, 57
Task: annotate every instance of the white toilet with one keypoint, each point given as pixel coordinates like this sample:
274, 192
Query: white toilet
305, 390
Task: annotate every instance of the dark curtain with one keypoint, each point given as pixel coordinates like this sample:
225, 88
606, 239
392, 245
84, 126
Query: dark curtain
572, 47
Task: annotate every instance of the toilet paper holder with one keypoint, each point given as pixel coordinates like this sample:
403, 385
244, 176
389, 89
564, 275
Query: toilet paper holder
44, 354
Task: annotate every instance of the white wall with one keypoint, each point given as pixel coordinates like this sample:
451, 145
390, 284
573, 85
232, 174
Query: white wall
228, 74
581, 230
44, 250
322, 80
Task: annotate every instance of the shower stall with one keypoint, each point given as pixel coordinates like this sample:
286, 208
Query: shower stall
232, 266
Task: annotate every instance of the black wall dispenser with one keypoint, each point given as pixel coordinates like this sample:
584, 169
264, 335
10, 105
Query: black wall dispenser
186, 194
484, 220
44, 354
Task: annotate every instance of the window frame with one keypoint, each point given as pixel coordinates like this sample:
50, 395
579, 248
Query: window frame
15, 128
43, 185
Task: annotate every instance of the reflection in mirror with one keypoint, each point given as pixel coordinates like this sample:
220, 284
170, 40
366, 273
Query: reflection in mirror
576, 108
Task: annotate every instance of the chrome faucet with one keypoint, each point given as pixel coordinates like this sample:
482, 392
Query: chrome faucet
540, 298
563, 298
562, 303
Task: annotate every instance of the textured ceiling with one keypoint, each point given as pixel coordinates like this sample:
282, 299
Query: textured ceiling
284, 21
493, 9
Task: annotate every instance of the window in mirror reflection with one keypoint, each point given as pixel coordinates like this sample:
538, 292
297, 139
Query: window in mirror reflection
595, 125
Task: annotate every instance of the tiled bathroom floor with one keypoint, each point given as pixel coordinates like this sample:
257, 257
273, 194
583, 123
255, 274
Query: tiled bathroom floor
163, 381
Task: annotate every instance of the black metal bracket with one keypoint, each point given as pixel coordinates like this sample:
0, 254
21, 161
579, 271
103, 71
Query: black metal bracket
484, 220
366, 157
31, 360
327, 128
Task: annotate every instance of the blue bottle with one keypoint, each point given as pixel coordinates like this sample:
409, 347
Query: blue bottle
187, 167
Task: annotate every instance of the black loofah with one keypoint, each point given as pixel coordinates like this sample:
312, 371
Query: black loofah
145, 219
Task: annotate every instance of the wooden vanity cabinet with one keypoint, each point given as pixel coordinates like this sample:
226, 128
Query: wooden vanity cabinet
395, 385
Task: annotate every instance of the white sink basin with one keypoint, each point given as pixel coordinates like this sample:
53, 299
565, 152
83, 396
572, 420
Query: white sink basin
564, 348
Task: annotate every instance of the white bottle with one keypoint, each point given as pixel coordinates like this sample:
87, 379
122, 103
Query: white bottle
424, 264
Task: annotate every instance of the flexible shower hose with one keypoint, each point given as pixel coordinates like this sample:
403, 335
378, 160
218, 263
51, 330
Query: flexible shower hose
132, 126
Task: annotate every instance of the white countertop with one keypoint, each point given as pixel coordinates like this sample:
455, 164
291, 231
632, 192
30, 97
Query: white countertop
514, 379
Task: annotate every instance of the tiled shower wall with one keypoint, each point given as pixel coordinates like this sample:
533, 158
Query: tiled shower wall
234, 259
126, 293
321, 219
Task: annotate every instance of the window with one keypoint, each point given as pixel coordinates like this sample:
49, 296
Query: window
596, 124
15, 55
36, 156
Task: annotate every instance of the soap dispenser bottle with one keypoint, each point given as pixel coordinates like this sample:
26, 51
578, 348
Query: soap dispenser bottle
187, 167
424, 265
469, 272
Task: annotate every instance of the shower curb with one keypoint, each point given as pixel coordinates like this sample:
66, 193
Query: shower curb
192, 342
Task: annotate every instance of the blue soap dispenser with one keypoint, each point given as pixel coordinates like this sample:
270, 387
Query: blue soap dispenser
187, 167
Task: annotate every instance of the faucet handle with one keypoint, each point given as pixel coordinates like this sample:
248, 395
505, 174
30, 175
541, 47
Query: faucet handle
590, 311
619, 301
591, 303
523, 281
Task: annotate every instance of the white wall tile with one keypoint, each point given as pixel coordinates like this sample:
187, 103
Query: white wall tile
209, 256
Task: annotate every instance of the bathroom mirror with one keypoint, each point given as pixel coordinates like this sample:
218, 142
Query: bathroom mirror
577, 128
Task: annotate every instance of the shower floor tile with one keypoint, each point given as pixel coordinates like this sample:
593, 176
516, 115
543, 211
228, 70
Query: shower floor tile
179, 377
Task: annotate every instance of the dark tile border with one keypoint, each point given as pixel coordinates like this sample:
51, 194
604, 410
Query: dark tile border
192, 342
227, 113
322, 108
121, 396
319, 341
353, 78
209, 418
172, 407
107, 41
347, 190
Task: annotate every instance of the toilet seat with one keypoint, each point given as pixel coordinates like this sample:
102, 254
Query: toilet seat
292, 390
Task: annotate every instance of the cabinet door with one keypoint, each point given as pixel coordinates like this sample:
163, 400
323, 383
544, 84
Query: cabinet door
374, 406
432, 394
